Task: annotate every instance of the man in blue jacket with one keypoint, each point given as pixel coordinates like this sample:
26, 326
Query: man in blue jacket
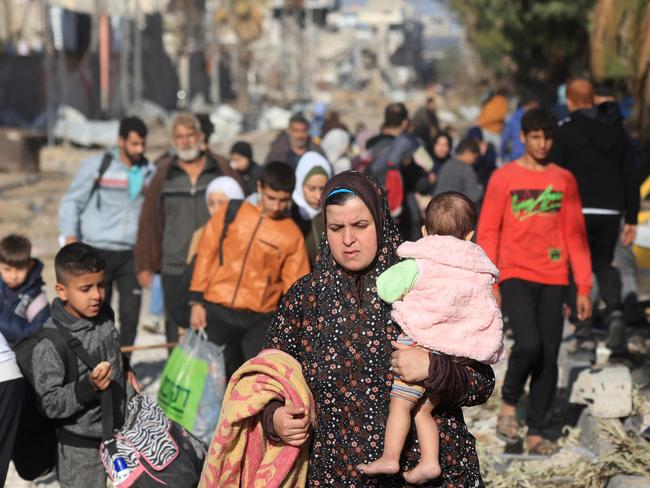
511, 146
102, 208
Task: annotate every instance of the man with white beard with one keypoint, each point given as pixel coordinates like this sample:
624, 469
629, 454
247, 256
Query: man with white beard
174, 208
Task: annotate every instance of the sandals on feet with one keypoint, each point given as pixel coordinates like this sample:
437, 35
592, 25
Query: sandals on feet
542, 448
508, 429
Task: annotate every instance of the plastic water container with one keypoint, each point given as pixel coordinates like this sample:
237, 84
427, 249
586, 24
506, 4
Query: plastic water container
121, 470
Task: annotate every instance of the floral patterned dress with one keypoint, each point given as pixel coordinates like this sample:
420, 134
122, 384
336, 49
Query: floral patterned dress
340, 331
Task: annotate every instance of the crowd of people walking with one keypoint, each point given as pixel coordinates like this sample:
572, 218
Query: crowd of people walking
307, 254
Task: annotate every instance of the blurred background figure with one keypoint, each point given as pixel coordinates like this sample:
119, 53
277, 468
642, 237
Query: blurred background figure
242, 161
492, 117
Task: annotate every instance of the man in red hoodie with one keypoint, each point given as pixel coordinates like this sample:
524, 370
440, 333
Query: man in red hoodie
532, 227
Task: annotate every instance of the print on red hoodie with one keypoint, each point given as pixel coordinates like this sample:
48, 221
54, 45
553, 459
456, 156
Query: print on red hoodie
532, 226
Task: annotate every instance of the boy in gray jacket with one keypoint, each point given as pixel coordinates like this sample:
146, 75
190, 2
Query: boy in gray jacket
80, 308
102, 208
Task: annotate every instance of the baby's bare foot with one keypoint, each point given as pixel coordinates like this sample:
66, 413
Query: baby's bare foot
380, 466
422, 473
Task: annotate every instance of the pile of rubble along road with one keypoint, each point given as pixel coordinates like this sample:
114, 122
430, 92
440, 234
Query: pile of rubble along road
609, 445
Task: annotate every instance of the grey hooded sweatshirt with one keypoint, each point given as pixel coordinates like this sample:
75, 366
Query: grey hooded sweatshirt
77, 404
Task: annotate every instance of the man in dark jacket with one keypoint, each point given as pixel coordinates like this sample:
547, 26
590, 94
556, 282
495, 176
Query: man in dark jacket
290, 145
174, 208
387, 152
593, 144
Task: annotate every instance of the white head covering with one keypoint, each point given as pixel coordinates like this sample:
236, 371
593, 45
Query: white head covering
336, 144
307, 162
227, 185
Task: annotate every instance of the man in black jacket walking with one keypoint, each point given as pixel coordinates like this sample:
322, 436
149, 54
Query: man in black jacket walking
593, 144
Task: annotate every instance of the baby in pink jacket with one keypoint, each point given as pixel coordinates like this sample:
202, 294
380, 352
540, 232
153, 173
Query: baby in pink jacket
442, 299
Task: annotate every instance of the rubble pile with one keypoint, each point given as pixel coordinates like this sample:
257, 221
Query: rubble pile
609, 447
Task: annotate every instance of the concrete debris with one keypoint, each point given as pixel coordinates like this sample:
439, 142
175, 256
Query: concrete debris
199, 104
227, 124
151, 113
607, 392
569, 368
447, 117
398, 95
641, 378
469, 112
638, 426
626, 481
593, 436
633, 425
72, 125
274, 118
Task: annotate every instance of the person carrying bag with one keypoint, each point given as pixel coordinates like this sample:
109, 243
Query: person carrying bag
148, 450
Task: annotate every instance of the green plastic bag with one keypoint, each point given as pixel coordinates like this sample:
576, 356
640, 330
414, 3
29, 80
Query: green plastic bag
193, 383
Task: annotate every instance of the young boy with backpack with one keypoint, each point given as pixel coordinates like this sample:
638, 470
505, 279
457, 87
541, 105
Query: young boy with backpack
532, 227
80, 311
23, 304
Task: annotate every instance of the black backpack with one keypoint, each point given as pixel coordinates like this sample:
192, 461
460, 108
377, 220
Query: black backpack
106, 162
155, 451
182, 314
34, 452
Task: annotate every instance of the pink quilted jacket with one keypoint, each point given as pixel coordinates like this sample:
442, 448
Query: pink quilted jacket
451, 309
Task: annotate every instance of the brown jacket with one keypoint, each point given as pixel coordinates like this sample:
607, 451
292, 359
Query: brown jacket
262, 258
148, 248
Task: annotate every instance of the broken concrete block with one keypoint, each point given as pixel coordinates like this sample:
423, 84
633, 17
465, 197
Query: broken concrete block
592, 435
568, 370
626, 481
607, 392
636, 424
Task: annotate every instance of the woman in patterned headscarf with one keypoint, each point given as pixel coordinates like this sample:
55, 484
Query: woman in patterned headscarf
335, 325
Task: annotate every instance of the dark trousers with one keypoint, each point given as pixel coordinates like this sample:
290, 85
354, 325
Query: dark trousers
120, 270
410, 222
242, 333
11, 399
175, 297
534, 313
603, 232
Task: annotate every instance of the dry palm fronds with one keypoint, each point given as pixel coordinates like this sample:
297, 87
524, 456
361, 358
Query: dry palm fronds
630, 456
640, 402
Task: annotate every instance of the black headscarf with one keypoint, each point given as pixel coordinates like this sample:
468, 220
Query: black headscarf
339, 329
366, 188
438, 162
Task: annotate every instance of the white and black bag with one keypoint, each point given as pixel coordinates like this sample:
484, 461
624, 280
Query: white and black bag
148, 450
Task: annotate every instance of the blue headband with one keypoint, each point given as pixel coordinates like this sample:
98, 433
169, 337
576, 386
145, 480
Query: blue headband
339, 190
